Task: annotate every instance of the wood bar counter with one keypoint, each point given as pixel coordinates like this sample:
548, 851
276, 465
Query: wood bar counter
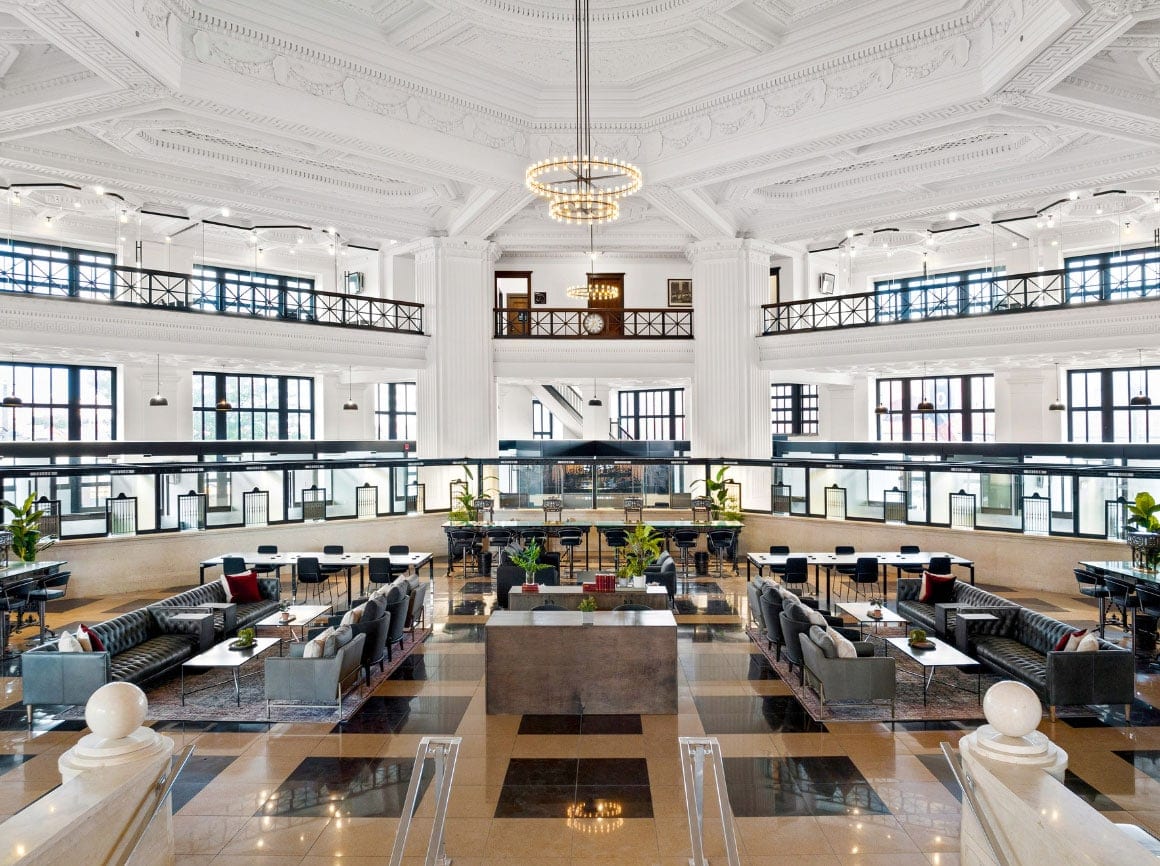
549, 662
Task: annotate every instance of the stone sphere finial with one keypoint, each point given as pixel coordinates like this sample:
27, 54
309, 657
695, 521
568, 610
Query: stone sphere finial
1012, 708
116, 710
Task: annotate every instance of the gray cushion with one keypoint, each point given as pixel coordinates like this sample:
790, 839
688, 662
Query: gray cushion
798, 612
825, 643
343, 635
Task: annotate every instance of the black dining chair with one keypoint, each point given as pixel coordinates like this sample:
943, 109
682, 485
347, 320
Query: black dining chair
939, 565
846, 571
462, 544
909, 550
379, 570
13, 600
797, 575
778, 550
864, 580
1092, 585
267, 550
233, 565
311, 574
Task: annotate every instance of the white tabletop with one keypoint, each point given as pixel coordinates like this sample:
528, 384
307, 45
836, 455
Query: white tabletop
414, 558
860, 610
885, 557
600, 618
221, 656
300, 614
943, 655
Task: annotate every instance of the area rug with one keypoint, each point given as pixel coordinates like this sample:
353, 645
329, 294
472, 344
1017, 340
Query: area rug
210, 694
952, 695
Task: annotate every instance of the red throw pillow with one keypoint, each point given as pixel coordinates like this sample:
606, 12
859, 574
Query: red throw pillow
244, 587
1060, 645
937, 588
95, 641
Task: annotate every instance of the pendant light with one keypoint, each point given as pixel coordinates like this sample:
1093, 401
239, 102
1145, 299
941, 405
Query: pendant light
1141, 399
880, 409
223, 405
1058, 405
11, 398
924, 405
349, 405
595, 401
157, 399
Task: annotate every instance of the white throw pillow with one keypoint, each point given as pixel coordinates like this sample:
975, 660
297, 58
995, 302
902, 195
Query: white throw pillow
1089, 643
846, 650
84, 641
226, 588
786, 594
353, 616
68, 643
816, 617
1073, 640
316, 647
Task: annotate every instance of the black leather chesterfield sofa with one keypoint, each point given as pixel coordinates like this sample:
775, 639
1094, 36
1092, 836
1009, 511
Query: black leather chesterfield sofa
228, 620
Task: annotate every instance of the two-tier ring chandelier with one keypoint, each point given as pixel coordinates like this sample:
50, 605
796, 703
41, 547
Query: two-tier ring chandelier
590, 290
583, 188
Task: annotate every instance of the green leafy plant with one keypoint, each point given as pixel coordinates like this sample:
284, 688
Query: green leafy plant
527, 556
725, 507
587, 604
917, 635
25, 528
643, 547
465, 510
1143, 515
245, 636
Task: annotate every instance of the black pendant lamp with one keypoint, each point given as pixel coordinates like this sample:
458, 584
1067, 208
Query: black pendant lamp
157, 399
924, 405
11, 398
1058, 405
1141, 399
349, 405
880, 409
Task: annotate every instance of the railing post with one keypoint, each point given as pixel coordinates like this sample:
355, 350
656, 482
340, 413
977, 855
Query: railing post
444, 751
694, 751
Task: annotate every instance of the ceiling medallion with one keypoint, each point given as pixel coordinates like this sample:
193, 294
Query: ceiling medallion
583, 188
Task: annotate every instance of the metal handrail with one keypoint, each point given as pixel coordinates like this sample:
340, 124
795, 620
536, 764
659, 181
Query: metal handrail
967, 784
165, 782
445, 752
694, 751
663, 323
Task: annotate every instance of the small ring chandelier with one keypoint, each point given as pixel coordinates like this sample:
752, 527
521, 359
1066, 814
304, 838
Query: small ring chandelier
583, 188
590, 290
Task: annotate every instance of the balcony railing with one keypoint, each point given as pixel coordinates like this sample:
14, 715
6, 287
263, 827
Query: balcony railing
581, 323
31, 274
1042, 290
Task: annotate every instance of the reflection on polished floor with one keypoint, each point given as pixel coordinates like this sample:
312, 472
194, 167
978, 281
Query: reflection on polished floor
525, 787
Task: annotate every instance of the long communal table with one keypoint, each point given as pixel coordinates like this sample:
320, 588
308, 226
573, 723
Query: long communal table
829, 561
1122, 568
18, 574
347, 561
518, 528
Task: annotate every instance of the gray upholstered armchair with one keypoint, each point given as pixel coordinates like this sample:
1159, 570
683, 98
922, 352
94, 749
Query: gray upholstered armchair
314, 682
864, 679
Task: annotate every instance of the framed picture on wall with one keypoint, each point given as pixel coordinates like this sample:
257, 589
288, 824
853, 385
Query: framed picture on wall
826, 284
680, 293
539, 297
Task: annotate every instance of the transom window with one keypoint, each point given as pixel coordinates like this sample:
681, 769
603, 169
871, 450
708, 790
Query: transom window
656, 414
59, 402
958, 293
1100, 408
794, 409
396, 414
964, 409
262, 407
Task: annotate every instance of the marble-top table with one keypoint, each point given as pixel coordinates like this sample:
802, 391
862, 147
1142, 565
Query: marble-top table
656, 597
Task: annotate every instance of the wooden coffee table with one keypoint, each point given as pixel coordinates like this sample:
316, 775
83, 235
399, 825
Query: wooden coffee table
943, 655
221, 656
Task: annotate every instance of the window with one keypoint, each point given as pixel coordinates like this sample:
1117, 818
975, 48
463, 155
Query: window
60, 402
229, 290
655, 414
55, 270
924, 297
964, 409
543, 422
1100, 409
1113, 276
262, 407
397, 414
794, 409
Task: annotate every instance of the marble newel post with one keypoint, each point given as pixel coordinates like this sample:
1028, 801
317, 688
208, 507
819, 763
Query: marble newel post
730, 395
454, 279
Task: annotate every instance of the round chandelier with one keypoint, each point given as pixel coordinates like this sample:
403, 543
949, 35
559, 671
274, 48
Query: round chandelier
593, 291
583, 188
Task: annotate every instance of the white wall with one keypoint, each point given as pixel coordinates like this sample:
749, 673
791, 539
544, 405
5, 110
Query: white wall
645, 280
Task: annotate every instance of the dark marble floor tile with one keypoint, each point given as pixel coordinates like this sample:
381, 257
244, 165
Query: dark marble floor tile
1147, 761
1144, 715
702, 667
939, 725
433, 667
941, 770
621, 801
477, 587
739, 714
612, 771
43, 719
708, 587
611, 724
570, 801
468, 607
535, 801
1089, 794
781, 787
425, 714
198, 772
11, 762
355, 787
547, 724
532, 772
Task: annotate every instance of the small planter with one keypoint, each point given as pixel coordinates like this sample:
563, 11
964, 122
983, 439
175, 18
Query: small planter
529, 577
638, 581
588, 617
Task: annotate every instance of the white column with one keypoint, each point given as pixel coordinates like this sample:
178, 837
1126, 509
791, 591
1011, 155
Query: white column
1021, 400
730, 405
142, 422
844, 411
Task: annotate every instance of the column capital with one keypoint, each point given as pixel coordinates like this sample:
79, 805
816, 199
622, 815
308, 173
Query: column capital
466, 247
723, 249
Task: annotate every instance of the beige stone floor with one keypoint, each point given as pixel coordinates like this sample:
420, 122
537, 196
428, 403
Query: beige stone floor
223, 825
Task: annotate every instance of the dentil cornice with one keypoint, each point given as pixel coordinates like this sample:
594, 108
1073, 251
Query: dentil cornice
727, 249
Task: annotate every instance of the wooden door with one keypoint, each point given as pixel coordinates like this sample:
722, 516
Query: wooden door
517, 315
614, 320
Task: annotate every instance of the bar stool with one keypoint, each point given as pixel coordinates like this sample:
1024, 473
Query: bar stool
1092, 585
11, 602
1122, 596
571, 539
461, 544
720, 542
1147, 614
50, 587
617, 539
686, 541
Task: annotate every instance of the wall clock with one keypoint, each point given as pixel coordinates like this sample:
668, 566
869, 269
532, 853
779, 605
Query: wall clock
593, 323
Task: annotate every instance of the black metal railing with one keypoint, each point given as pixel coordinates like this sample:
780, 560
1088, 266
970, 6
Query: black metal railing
581, 323
1094, 283
568, 398
32, 274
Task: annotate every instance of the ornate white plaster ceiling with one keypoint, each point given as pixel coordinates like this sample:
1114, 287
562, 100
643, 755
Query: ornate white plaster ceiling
786, 120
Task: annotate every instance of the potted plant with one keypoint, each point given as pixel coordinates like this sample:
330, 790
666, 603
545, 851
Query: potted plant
1145, 542
284, 608
527, 557
25, 528
725, 507
587, 608
465, 510
643, 547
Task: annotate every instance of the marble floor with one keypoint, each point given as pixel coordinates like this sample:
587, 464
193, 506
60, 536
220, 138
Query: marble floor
803, 792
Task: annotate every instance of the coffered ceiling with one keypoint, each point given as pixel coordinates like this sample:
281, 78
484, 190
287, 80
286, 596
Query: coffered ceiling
787, 120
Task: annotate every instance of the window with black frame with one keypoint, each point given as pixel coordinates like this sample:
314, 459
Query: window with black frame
1100, 407
794, 409
55, 270
233, 290
396, 412
1113, 276
260, 407
58, 402
964, 409
543, 422
924, 297
654, 414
